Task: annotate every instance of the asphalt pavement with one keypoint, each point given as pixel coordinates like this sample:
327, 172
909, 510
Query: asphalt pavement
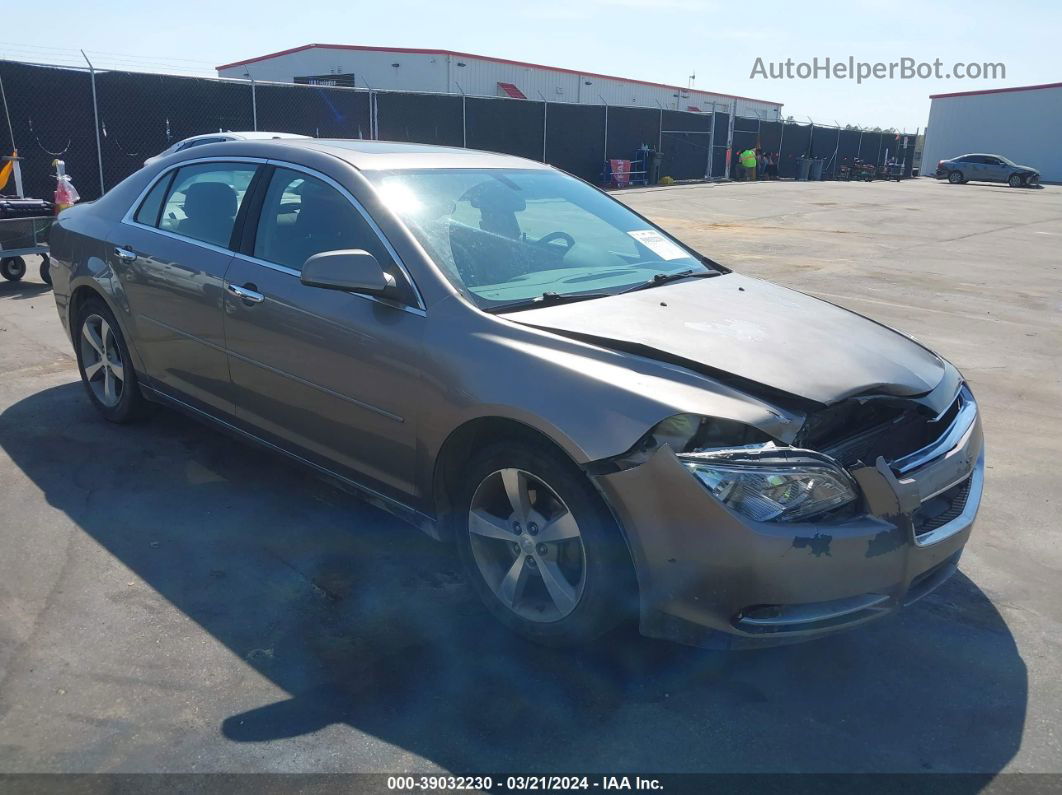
174, 600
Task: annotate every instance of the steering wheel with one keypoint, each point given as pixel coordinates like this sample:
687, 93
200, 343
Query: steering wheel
546, 240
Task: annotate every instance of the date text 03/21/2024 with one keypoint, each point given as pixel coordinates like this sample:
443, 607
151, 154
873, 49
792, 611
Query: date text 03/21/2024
520, 783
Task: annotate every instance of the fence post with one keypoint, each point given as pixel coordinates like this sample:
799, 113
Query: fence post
254, 106
730, 138
464, 121
778, 159
836, 149
545, 116
7, 114
711, 139
96, 121
605, 142
374, 117
660, 133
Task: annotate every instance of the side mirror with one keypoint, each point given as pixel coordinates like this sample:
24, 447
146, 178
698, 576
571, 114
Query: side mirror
350, 269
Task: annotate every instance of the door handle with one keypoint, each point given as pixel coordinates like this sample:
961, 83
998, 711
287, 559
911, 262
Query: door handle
244, 294
124, 254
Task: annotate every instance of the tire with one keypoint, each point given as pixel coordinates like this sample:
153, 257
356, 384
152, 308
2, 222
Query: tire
514, 565
105, 365
46, 269
955, 177
13, 268
1015, 181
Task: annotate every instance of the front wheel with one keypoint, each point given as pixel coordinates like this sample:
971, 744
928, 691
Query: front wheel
955, 178
1015, 181
539, 546
46, 269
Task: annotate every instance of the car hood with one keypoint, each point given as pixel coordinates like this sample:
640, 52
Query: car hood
758, 336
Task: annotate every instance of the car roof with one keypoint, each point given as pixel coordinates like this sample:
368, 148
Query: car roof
391, 155
255, 135
242, 135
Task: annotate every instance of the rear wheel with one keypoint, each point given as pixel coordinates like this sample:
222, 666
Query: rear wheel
13, 268
104, 362
955, 178
1015, 181
540, 547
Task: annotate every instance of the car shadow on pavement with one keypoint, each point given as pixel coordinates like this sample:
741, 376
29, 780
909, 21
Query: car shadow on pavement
22, 290
363, 621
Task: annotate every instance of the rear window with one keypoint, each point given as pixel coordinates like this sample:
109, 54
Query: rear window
152, 204
204, 199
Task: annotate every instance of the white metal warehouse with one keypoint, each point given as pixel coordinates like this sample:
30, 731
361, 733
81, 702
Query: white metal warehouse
449, 72
1022, 123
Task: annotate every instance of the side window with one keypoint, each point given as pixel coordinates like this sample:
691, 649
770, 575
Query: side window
204, 200
302, 216
149, 208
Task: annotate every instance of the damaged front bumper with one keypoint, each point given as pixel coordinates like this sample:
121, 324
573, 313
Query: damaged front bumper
710, 577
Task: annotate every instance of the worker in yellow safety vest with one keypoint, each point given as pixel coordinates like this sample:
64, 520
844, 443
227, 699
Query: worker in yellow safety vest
748, 162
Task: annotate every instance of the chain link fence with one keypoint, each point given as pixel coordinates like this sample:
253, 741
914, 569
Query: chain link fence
104, 124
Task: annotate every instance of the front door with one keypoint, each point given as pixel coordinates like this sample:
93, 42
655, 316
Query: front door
331, 373
173, 253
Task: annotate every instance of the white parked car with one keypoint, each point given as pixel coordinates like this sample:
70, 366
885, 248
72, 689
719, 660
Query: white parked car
218, 137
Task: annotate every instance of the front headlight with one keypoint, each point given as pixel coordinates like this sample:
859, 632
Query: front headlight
766, 486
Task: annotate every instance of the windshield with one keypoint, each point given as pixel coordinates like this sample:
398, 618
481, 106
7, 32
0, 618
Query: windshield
510, 236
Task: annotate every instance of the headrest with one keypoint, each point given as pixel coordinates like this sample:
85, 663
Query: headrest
494, 197
209, 198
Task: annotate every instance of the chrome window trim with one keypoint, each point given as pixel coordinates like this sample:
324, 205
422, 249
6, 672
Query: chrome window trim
128, 217
182, 238
130, 220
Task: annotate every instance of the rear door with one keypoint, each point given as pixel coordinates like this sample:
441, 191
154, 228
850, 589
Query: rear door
173, 250
331, 374
974, 168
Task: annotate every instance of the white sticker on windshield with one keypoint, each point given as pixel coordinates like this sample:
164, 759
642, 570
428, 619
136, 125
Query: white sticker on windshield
659, 245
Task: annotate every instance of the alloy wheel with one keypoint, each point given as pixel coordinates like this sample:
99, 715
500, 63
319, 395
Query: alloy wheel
527, 545
101, 359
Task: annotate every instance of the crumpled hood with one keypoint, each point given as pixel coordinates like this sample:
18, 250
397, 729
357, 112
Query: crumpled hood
754, 331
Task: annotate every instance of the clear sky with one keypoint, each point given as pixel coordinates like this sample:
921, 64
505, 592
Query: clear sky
659, 40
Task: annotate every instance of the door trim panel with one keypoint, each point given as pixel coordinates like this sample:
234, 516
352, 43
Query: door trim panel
326, 390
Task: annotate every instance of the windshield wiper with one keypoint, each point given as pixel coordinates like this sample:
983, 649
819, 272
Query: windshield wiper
664, 278
546, 299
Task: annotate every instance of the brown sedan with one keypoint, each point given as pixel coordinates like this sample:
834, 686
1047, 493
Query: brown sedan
604, 421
